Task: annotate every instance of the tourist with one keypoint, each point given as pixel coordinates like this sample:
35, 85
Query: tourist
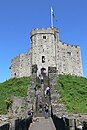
44, 72
47, 91
30, 112
46, 109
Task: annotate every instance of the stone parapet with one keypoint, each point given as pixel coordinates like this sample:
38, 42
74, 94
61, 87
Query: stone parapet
44, 31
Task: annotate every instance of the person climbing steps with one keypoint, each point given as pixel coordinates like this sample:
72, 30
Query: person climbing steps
46, 109
47, 91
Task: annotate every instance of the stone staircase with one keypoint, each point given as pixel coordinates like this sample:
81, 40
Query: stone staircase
41, 98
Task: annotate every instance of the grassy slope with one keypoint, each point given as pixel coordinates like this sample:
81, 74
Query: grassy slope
73, 91
12, 87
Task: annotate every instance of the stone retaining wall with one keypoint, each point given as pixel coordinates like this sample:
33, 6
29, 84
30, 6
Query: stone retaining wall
68, 123
17, 124
5, 126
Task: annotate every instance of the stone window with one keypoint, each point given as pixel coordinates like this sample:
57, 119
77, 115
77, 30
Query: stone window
44, 37
14, 74
69, 53
43, 59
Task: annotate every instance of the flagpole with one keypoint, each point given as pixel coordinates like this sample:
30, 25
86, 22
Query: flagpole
51, 17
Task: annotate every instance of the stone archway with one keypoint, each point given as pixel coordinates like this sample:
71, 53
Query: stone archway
43, 70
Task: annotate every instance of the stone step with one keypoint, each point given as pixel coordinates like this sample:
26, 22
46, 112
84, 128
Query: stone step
42, 124
44, 101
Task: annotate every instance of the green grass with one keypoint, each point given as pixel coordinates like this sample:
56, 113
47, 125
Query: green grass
73, 92
12, 87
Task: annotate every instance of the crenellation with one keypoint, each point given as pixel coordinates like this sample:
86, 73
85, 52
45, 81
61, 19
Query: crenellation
67, 44
77, 46
44, 31
48, 50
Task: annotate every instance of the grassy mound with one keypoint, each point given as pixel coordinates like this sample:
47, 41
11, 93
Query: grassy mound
73, 92
12, 87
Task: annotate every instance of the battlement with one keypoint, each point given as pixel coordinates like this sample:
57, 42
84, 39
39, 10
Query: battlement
68, 45
73, 46
44, 31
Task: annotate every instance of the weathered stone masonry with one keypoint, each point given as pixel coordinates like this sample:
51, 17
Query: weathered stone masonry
47, 50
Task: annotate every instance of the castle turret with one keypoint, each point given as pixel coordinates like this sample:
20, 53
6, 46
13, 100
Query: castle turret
43, 45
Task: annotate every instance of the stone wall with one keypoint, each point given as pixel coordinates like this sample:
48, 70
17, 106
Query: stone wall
69, 59
43, 45
52, 74
15, 64
5, 126
69, 122
17, 105
47, 50
21, 65
16, 124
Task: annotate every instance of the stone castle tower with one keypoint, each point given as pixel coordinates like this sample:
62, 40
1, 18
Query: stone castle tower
47, 50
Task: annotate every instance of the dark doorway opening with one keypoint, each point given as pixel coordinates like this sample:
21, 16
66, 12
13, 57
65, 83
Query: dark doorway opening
14, 74
43, 70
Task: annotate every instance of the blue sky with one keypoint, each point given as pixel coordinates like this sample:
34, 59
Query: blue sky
19, 17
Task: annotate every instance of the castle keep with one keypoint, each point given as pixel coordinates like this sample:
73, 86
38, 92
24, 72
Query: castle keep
47, 50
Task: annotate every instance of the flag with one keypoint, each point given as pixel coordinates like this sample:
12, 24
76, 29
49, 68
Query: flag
52, 17
52, 13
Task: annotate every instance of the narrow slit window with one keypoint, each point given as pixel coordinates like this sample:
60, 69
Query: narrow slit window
43, 59
14, 74
69, 53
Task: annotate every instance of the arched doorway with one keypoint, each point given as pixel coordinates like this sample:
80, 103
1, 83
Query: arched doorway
43, 71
